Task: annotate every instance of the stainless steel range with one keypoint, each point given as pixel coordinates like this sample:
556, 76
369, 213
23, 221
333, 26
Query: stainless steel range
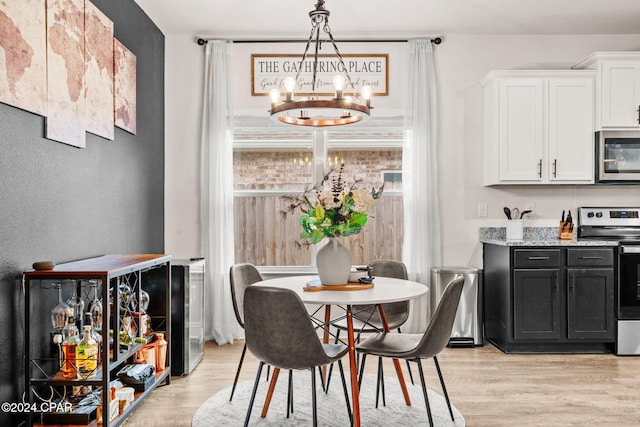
622, 225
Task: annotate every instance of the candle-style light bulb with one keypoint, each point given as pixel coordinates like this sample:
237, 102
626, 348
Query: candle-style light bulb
289, 86
274, 94
338, 83
366, 94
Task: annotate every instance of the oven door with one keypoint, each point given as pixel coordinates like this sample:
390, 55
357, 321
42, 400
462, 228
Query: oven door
618, 157
628, 336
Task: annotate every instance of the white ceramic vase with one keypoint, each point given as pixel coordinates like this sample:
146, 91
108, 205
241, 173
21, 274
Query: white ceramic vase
334, 263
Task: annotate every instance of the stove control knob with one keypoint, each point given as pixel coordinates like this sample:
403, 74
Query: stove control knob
599, 214
590, 215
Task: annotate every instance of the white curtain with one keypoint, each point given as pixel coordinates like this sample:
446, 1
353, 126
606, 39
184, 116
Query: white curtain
216, 198
421, 246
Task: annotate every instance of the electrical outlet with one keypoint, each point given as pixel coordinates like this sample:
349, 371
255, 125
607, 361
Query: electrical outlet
530, 207
482, 209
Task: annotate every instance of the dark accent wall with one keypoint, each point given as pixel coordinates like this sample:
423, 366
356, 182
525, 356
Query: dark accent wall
62, 203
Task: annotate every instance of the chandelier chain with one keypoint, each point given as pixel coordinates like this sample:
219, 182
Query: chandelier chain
335, 47
306, 49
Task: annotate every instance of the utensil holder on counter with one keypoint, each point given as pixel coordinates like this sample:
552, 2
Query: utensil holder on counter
565, 231
515, 230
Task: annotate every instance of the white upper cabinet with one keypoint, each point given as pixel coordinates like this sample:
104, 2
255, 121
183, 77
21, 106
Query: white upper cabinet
617, 88
539, 127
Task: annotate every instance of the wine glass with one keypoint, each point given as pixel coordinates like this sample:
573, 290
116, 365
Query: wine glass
141, 305
96, 305
60, 312
76, 303
144, 301
126, 295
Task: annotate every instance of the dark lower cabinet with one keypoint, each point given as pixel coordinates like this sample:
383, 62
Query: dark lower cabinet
549, 300
590, 304
537, 305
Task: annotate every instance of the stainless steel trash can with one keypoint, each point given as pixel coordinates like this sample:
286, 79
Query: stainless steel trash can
467, 327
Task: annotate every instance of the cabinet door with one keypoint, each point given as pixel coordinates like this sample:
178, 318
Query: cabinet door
590, 304
620, 93
571, 130
537, 305
521, 129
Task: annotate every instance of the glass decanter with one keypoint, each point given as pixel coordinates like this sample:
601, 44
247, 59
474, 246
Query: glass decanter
60, 312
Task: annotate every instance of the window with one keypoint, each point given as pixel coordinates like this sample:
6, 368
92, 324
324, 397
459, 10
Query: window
271, 162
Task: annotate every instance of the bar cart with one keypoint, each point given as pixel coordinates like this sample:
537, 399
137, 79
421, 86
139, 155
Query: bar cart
109, 289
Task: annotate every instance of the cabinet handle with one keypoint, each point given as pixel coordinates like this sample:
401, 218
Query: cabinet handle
540, 163
638, 114
555, 285
555, 167
571, 280
590, 257
537, 258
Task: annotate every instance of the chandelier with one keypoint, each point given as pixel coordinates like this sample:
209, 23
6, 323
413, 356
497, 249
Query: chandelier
309, 109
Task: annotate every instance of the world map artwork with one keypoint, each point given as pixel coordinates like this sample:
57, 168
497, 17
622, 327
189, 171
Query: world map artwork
58, 60
65, 71
98, 72
23, 64
125, 65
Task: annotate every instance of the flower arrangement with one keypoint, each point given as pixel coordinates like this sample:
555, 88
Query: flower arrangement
335, 211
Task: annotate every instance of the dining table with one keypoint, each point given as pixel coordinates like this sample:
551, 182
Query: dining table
383, 290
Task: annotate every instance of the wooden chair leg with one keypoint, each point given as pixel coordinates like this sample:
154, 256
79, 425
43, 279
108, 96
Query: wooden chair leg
424, 392
444, 389
235, 381
272, 387
253, 394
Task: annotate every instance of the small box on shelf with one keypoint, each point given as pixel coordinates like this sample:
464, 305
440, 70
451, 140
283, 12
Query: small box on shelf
81, 415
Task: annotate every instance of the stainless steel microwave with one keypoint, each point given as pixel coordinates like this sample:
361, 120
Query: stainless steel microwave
618, 157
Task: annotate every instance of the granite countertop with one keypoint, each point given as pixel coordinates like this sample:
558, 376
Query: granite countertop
537, 236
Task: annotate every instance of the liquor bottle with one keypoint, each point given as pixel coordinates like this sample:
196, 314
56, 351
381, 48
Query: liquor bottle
69, 349
88, 320
70, 326
87, 357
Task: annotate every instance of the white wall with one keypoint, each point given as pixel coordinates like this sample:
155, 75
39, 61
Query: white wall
461, 61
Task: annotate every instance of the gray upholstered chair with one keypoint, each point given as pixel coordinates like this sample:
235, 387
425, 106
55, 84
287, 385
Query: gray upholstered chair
366, 318
241, 276
280, 333
415, 347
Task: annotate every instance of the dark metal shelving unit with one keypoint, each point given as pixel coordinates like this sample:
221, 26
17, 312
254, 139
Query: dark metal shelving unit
111, 271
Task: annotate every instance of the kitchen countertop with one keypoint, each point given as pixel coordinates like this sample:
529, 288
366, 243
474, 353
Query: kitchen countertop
537, 236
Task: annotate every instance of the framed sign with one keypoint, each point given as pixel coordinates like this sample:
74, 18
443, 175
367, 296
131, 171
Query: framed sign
268, 71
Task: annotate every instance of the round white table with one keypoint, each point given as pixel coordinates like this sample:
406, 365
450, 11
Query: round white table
385, 290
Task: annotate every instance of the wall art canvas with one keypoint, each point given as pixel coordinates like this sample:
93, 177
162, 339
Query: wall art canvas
23, 65
125, 87
65, 72
99, 103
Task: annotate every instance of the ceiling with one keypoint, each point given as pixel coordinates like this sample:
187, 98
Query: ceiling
371, 19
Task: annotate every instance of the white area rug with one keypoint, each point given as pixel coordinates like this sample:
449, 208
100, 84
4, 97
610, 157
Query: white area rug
332, 410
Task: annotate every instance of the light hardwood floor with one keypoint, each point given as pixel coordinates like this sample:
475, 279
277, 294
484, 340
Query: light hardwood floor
489, 388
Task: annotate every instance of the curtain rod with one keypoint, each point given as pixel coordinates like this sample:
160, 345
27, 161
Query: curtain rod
436, 40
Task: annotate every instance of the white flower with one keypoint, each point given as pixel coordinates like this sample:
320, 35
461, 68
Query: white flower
328, 199
363, 201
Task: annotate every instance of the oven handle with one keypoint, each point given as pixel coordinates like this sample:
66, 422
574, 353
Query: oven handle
630, 249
